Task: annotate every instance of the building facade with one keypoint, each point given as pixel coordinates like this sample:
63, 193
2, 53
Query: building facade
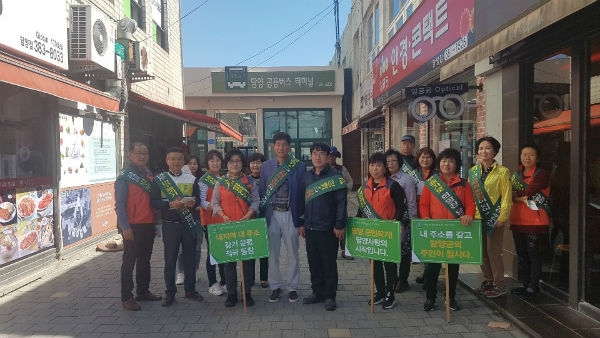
521, 71
305, 102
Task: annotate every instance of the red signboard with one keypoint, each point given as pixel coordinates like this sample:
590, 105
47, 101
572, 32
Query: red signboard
435, 32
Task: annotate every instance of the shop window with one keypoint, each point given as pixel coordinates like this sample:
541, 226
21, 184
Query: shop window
244, 122
304, 126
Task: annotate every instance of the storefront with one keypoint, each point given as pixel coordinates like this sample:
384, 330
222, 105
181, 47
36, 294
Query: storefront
406, 80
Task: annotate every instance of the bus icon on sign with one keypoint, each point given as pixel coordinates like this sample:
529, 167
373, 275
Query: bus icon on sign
236, 77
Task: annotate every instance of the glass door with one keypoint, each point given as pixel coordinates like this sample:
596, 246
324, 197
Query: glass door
592, 210
551, 107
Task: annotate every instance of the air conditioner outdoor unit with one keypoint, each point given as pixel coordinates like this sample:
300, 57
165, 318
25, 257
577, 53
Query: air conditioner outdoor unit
92, 38
141, 60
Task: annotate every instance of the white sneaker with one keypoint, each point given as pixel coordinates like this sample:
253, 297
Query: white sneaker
180, 278
215, 290
197, 275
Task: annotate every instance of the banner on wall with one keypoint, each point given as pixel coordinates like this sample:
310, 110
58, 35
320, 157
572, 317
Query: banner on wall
87, 151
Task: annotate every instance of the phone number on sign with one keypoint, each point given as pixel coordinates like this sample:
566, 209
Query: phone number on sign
41, 48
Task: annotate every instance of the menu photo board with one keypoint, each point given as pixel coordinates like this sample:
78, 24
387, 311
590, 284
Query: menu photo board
447, 241
373, 239
238, 241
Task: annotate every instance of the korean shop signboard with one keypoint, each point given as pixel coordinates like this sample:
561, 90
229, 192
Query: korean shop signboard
373, 239
437, 31
284, 81
237, 241
446, 241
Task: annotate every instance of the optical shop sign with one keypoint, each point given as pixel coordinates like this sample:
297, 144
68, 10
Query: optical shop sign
446, 241
373, 239
430, 101
237, 241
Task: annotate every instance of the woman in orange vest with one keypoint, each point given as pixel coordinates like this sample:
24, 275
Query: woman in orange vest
235, 198
454, 201
530, 219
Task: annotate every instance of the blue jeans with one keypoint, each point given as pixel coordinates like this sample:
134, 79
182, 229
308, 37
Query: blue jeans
174, 235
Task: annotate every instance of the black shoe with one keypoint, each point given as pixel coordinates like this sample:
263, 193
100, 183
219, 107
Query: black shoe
147, 296
194, 296
389, 301
274, 298
454, 305
420, 279
293, 296
231, 301
529, 294
330, 304
168, 300
312, 299
429, 305
378, 299
401, 286
249, 300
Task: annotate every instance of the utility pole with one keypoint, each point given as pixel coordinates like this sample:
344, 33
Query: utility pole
338, 47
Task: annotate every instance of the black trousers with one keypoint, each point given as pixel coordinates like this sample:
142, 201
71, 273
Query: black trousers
321, 251
137, 253
385, 283
404, 268
211, 271
264, 269
231, 277
174, 235
530, 255
432, 273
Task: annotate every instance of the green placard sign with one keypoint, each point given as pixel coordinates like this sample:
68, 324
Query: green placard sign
237, 241
446, 241
284, 81
373, 239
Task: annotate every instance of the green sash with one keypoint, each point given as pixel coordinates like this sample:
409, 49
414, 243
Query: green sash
444, 194
171, 191
236, 187
280, 175
131, 176
209, 179
364, 205
323, 186
489, 212
412, 172
539, 198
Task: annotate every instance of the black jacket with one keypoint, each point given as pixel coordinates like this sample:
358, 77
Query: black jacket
327, 211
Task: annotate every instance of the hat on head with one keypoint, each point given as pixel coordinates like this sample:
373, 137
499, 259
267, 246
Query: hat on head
334, 151
408, 138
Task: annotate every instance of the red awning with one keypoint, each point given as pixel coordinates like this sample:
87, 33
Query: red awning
26, 75
563, 121
200, 120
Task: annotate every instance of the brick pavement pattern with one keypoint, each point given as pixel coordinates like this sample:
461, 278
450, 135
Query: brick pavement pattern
79, 297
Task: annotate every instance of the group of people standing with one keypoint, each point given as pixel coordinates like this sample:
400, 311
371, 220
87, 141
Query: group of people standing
313, 204
402, 187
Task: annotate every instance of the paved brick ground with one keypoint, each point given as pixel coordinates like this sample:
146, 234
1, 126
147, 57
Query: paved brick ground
80, 298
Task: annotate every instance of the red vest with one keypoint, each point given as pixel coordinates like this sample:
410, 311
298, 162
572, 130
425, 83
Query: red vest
521, 214
139, 210
206, 216
380, 198
234, 207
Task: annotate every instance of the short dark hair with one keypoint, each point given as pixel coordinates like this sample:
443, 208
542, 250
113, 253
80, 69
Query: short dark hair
532, 146
320, 146
174, 150
495, 144
256, 156
213, 153
282, 136
424, 150
393, 152
379, 157
450, 153
132, 145
233, 152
